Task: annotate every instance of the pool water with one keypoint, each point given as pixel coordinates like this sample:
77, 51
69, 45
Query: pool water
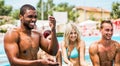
88, 41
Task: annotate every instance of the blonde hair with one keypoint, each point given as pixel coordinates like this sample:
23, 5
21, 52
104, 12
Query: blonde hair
68, 29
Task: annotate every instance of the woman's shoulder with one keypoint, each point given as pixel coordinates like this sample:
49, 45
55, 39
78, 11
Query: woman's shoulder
81, 42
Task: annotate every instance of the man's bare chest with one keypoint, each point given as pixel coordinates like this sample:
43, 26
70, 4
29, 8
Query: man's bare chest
107, 53
28, 42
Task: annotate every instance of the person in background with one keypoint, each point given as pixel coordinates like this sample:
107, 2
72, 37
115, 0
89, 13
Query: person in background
105, 52
43, 55
73, 47
22, 43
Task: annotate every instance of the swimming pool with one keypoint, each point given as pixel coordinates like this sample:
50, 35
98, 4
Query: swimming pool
88, 41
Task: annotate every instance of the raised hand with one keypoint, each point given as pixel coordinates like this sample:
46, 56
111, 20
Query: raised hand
52, 22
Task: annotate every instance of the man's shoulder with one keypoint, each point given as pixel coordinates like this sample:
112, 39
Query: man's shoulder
13, 30
95, 43
115, 42
93, 49
11, 34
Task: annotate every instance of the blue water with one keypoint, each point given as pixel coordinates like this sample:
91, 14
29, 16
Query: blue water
88, 41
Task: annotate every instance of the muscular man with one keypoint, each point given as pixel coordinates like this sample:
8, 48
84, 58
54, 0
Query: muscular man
22, 43
105, 52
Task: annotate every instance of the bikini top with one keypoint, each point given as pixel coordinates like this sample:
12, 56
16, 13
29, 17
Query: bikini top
74, 53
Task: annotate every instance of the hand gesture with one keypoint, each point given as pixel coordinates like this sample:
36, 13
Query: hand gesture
49, 62
70, 64
52, 22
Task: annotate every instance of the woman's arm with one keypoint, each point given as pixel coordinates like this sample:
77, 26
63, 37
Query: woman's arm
64, 54
82, 53
59, 57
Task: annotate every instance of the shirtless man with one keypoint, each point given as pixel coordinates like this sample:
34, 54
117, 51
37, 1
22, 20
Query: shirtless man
22, 43
105, 52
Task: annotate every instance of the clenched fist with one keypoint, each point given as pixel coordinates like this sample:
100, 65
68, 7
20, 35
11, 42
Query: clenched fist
52, 22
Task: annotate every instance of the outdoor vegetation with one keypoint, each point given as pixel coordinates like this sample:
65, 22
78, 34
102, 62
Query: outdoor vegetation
44, 9
59, 34
115, 10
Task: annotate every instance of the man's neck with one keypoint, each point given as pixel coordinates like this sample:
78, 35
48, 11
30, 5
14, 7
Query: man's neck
25, 30
105, 42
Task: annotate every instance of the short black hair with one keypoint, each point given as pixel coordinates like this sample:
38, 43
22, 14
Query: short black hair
26, 7
105, 21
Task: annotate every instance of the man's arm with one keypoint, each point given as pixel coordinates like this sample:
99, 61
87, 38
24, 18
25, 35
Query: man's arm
12, 51
117, 57
52, 46
93, 55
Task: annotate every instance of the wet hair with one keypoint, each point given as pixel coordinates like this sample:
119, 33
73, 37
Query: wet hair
105, 21
26, 7
46, 33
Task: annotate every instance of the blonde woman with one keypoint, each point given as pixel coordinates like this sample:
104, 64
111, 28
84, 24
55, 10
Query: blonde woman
73, 48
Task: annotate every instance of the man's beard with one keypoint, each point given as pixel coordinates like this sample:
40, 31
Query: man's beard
27, 25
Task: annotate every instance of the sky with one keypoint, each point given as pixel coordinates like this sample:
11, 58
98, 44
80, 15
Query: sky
105, 4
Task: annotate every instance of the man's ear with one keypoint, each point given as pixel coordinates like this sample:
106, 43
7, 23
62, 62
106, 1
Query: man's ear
100, 29
20, 17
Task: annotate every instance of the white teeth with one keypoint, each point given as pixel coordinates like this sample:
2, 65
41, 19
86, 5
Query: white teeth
32, 23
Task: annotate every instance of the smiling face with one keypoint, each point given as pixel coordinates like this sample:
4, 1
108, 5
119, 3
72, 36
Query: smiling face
73, 35
29, 19
107, 31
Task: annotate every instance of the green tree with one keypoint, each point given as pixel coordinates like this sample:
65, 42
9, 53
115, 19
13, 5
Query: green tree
15, 14
62, 7
39, 8
50, 7
115, 10
1, 3
4, 9
44, 9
